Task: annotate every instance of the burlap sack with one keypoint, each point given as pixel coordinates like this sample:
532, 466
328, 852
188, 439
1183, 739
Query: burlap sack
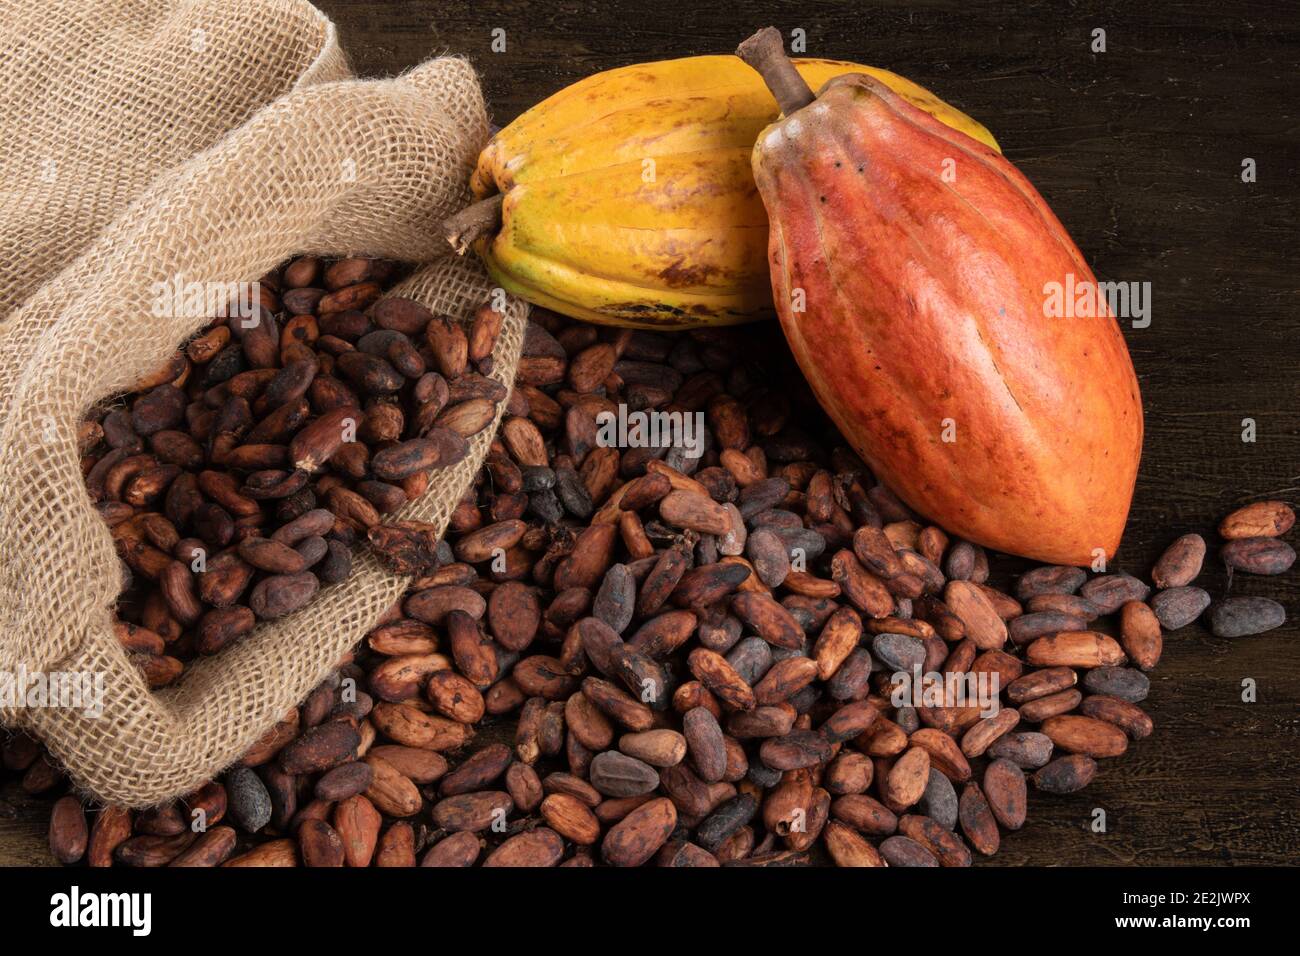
141, 141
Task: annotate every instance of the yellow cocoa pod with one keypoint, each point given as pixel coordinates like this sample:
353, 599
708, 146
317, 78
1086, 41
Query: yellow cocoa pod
628, 198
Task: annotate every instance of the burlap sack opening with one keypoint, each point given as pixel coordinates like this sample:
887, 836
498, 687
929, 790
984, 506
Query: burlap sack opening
334, 168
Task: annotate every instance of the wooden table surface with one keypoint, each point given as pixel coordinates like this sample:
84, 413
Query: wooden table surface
1139, 150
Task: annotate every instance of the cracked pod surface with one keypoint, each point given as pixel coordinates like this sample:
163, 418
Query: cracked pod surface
924, 299
628, 196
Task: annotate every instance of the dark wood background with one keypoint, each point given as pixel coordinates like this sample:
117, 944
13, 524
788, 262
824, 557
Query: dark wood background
1139, 150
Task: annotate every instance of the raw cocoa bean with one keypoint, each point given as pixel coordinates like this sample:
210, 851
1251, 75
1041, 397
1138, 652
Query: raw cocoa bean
1262, 519
1180, 563
1242, 616
1261, 555
1066, 774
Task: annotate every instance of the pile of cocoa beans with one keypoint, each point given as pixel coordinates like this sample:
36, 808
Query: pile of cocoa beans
629, 656
237, 478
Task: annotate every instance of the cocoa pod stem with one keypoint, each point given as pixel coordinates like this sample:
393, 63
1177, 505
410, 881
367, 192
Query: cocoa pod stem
765, 52
473, 222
